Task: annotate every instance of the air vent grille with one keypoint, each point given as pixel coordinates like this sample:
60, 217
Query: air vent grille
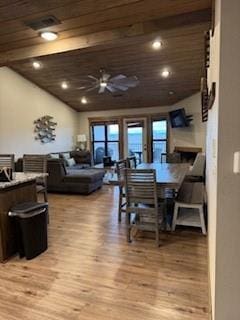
42, 23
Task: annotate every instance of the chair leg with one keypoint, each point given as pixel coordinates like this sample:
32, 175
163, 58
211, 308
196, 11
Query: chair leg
201, 213
157, 229
128, 224
175, 216
45, 196
120, 205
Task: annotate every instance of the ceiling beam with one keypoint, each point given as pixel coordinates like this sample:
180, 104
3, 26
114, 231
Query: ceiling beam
106, 37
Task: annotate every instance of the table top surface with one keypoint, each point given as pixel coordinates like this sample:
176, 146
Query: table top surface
167, 173
21, 177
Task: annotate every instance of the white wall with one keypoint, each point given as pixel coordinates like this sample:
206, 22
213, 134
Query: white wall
223, 185
212, 156
22, 102
192, 136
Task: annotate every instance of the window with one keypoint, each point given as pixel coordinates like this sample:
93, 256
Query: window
105, 141
159, 138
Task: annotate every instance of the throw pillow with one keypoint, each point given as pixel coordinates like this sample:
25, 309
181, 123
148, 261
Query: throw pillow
66, 155
71, 162
54, 155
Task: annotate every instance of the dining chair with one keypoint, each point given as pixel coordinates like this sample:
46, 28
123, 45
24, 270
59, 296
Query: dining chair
121, 165
132, 162
37, 163
7, 160
142, 201
191, 195
174, 157
197, 171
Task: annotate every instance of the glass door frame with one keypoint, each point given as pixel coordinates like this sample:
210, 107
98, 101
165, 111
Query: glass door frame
144, 137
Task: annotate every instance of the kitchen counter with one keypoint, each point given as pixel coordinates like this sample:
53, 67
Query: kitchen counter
21, 189
21, 177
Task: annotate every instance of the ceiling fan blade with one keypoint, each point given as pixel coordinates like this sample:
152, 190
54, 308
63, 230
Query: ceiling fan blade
119, 87
130, 82
111, 88
92, 88
118, 77
92, 77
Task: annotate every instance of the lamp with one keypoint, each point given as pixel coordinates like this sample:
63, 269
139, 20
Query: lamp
82, 139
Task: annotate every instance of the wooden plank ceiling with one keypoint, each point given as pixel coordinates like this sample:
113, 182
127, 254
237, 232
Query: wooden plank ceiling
111, 35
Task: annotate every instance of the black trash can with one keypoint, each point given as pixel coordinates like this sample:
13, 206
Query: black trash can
31, 227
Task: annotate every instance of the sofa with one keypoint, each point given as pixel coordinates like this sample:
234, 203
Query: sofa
68, 176
74, 159
72, 180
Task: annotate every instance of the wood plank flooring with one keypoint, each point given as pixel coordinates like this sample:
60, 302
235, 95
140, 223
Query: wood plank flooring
90, 272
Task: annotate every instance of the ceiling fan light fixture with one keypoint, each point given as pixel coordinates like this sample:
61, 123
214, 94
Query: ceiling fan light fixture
36, 65
103, 84
49, 35
157, 44
84, 100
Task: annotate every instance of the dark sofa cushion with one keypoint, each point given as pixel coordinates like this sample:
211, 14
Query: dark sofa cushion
79, 166
83, 176
81, 157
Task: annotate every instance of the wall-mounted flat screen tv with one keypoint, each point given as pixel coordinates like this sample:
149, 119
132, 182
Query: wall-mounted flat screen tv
178, 118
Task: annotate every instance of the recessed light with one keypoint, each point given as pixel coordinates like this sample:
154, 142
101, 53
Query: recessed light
171, 93
165, 73
64, 85
49, 36
156, 45
84, 100
36, 65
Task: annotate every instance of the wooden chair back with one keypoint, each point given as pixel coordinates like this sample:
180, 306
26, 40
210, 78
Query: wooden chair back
132, 162
35, 163
174, 157
7, 160
121, 165
141, 187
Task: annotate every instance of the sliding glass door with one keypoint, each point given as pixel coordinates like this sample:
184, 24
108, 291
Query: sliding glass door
105, 141
159, 138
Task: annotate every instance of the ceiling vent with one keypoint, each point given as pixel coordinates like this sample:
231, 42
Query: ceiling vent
42, 23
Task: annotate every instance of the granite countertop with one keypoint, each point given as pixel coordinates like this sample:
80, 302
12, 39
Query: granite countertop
21, 177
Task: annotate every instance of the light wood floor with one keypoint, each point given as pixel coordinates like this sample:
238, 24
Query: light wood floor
90, 272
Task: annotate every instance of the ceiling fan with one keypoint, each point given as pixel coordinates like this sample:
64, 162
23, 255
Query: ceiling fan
112, 84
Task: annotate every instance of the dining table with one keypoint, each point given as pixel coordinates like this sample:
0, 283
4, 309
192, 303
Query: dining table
168, 175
